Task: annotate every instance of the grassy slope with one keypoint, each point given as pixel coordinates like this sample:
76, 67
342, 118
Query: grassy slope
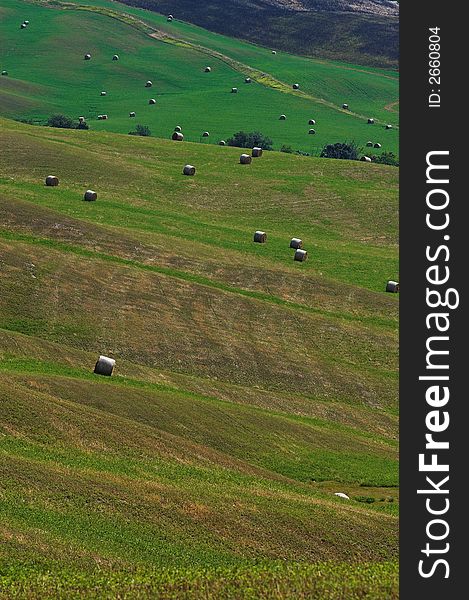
331, 33
248, 387
185, 94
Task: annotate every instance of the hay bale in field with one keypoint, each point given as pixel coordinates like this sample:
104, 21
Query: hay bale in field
296, 86
188, 170
4, 72
312, 131
132, 114
274, 52
371, 121
177, 136
115, 57
104, 117
392, 286
256, 152
282, 117
205, 134
260, 237
104, 366
88, 56
170, 17
388, 126
296, 243
365, 159
222, 143
245, 159
345, 106
342, 495
148, 84
90, 196
23, 25
377, 145
152, 101
311, 122
300, 255
103, 93
52, 181
208, 69
178, 128
26, 22
369, 144
247, 80
234, 90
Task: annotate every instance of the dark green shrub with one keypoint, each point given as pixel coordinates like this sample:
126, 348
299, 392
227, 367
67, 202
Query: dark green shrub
341, 150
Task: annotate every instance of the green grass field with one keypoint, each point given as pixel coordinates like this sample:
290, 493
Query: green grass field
37, 85
248, 388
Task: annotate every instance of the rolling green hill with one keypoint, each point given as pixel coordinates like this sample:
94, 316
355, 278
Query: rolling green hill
173, 56
248, 389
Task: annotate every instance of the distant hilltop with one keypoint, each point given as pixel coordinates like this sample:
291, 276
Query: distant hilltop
364, 32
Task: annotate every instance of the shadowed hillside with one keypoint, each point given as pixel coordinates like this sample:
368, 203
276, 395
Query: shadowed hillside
365, 32
248, 389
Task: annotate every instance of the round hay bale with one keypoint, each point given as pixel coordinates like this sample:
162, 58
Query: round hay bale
388, 126
296, 243
4, 72
282, 117
234, 90
115, 57
87, 56
345, 106
189, 170
178, 128
148, 84
177, 136
392, 286
81, 119
100, 117
296, 86
342, 495
23, 25
52, 181
274, 52
104, 117
170, 17
256, 152
208, 69
132, 114
222, 143
300, 255
377, 145
152, 101
26, 22
365, 159
104, 366
369, 144
311, 122
312, 131
371, 121
260, 237
90, 196
103, 93
247, 80
205, 134
245, 159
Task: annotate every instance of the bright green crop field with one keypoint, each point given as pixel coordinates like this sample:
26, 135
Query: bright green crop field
38, 85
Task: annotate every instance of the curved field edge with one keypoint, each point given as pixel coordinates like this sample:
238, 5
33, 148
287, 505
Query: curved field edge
321, 581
